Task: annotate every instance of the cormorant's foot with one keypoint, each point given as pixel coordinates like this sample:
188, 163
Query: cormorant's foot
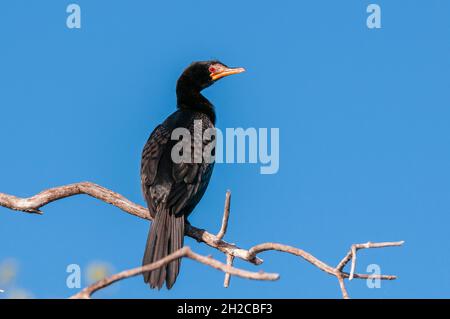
188, 224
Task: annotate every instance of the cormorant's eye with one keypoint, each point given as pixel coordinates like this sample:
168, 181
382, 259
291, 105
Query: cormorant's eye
212, 69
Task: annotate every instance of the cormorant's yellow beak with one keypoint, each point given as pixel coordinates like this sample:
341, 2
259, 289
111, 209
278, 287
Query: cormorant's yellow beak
223, 72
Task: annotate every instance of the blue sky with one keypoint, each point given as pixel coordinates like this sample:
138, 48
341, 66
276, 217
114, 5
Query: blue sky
364, 138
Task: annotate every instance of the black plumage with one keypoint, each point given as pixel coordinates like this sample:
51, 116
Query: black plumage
172, 189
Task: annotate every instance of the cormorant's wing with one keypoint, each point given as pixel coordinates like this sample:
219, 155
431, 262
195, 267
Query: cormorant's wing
191, 179
184, 183
151, 156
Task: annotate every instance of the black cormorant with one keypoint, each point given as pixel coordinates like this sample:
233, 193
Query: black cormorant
172, 189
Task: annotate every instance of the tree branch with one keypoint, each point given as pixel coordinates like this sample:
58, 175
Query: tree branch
226, 216
342, 286
351, 255
34, 203
334, 271
186, 252
226, 281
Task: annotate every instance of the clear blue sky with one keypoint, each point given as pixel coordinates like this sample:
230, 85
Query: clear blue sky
364, 133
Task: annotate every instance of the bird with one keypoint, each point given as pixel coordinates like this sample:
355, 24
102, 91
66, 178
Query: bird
172, 188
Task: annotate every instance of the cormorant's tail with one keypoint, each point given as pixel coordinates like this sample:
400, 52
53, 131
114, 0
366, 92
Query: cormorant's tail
165, 237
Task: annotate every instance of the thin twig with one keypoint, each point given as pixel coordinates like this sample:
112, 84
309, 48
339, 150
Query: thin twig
226, 281
226, 216
342, 286
351, 255
352, 268
293, 251
334, 271
87, 292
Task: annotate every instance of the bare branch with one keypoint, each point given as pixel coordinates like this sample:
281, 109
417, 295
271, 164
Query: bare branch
352, 269
34, 203
226, 216
342, 286
294, 251
226, 281
334, 271
87, 292
351, 255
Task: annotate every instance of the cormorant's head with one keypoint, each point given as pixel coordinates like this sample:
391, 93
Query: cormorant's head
200, 75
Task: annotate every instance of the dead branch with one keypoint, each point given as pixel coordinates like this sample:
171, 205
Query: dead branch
342, 286
226, 216
226, 281
35, 203
186, 252
355, 247
334, 271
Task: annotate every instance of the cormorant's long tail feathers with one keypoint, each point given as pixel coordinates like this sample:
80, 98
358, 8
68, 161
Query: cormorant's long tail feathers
165, 237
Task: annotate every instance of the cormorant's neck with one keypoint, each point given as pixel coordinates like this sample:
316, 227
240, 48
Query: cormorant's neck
191, 99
